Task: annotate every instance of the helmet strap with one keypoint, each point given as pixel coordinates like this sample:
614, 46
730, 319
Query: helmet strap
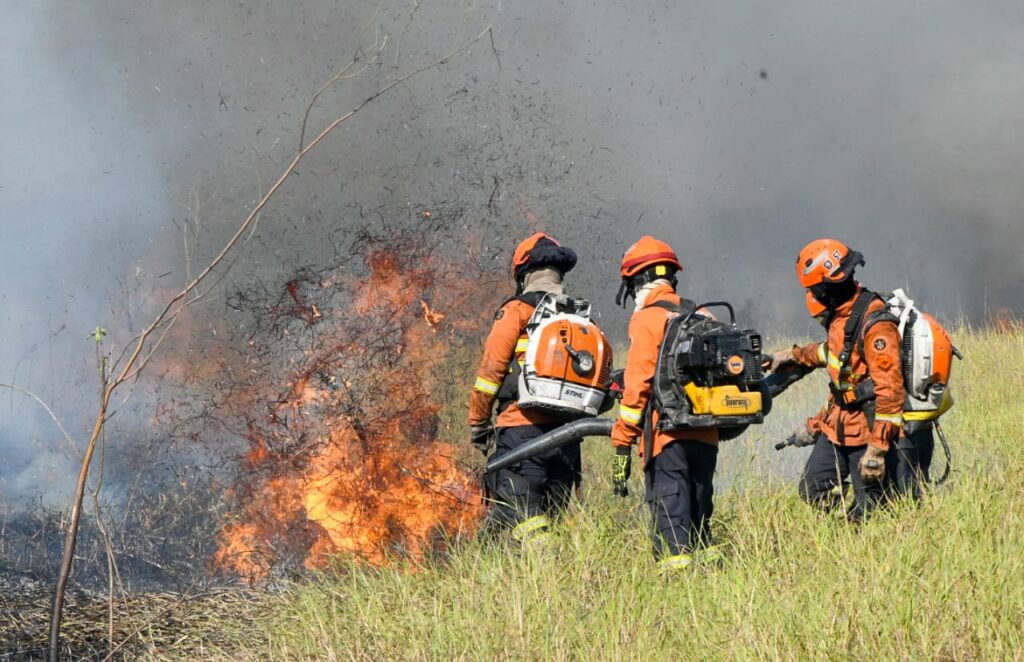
626, 291
629, 286
852, 260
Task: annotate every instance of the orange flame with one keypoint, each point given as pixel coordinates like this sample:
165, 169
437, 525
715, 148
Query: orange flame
1004, 322
349, 461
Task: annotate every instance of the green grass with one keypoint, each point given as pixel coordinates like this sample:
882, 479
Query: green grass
943, 580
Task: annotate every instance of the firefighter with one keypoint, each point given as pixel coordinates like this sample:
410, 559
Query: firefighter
679, 466
853, 434
527, 493
912, 455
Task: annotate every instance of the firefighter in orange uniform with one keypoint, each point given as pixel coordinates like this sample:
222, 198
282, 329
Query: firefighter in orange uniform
526, 493
679, 466
853, 434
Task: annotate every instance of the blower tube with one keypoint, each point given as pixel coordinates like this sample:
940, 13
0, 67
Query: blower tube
566, 434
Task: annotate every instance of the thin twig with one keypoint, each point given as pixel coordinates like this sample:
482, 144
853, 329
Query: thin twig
341, 75
494, 49
67, 437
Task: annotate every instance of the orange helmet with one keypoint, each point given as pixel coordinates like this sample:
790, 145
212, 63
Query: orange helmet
647, 252
541, 250
644, 261
815, 307
826, 261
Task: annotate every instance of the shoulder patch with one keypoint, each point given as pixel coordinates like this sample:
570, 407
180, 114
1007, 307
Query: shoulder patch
879, 344
501, 313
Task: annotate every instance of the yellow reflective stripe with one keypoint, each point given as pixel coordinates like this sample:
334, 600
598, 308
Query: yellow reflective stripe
521, 344
539, 540
895, 419
630, 414
677, 562
833, 362
485, 386
526, 527
712, 554
929, 414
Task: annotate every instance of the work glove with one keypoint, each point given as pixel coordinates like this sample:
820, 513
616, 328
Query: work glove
481, 436
779, 359
872, 464
803, 436
621, 468
617, 385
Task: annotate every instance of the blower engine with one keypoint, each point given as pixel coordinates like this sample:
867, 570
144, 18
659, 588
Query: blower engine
709, 374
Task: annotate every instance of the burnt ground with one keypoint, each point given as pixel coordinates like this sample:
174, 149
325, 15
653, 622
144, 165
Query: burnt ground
144, 624
157, 552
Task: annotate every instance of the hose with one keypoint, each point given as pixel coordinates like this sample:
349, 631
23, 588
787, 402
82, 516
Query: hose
945, 449
560, 436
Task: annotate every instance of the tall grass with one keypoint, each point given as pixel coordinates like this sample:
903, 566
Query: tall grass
940, 580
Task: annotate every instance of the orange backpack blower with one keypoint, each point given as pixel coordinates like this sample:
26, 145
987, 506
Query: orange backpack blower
927, 358
568, 360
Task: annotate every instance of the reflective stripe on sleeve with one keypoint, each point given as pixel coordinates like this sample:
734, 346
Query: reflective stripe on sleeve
521, 345
486, 386
895, 419
821, 352
630, 414
833, 362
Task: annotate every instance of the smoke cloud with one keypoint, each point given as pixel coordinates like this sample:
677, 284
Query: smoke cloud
736, 132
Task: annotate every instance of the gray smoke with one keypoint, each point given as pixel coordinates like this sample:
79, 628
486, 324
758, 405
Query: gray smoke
735, 131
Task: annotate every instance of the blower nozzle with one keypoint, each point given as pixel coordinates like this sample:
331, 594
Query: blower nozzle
560, 436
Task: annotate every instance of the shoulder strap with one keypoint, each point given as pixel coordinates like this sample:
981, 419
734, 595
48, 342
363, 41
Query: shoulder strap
684, 307
667, 305
852, 330
531, 299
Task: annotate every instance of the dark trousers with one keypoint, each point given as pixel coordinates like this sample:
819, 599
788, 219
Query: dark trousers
828, 467
536, 486
913, 460
680, 493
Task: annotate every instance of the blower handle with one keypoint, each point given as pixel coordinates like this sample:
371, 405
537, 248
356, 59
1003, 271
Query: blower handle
790, 441
723, 304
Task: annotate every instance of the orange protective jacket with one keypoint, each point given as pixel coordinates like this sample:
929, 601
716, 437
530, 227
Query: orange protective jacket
880, 361
646, 332
505, 346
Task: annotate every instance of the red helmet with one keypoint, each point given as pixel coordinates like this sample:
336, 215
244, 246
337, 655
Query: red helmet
647, 252
826, 261
541, 250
